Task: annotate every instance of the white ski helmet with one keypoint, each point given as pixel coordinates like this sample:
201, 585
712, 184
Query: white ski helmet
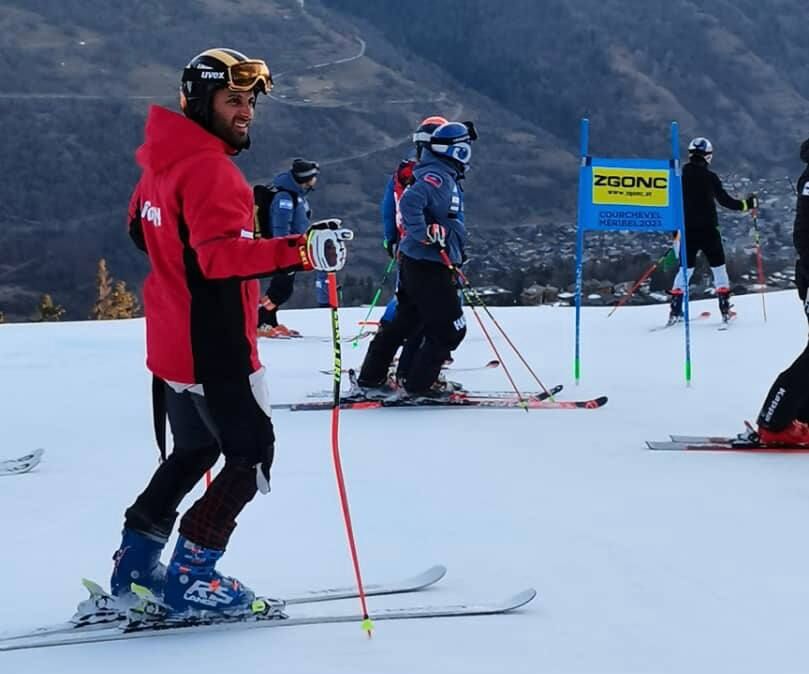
701, 147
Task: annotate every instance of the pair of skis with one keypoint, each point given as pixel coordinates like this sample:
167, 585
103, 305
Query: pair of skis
699, 317
311, 338
495, 400
491, 365
673, 323
353, 391
722, 443
22, 464
116, 629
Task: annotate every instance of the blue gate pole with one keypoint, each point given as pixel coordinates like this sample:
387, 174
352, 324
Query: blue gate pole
583, 143
675, 153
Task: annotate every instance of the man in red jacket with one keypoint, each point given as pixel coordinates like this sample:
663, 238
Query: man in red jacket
192, 214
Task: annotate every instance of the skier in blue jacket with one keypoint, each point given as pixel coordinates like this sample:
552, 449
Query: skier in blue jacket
290, 213
434, 238
392, 227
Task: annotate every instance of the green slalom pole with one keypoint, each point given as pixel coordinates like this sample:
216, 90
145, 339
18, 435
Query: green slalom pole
377, 294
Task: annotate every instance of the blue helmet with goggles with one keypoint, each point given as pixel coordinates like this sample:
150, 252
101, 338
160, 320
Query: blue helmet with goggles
453, 141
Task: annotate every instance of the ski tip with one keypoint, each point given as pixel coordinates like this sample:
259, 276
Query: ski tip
33, 457
521, 599
431, 575
665, 445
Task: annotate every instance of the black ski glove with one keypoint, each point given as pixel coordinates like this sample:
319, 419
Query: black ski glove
801, 278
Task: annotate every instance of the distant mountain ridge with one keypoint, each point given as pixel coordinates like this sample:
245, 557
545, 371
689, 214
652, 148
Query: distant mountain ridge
734, 71
352, 80
82, 74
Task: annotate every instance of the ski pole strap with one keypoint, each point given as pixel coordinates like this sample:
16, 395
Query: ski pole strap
461, 276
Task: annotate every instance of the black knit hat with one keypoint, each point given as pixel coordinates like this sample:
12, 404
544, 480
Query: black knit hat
304, 170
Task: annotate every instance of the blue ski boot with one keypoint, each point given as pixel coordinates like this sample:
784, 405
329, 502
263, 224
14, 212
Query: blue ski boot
137, 560
193, 585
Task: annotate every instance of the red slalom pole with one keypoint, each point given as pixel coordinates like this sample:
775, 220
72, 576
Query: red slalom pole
367, 624
464, 285
762, 282
637, 285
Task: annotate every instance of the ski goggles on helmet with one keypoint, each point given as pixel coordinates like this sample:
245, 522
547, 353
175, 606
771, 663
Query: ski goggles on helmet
241, 76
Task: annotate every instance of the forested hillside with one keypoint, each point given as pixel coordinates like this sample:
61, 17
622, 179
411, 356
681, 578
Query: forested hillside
733, 70
352, 79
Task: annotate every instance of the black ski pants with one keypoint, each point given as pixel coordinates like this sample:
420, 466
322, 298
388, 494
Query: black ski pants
228, 419
802, 283
788, 398
428, 302
709, 241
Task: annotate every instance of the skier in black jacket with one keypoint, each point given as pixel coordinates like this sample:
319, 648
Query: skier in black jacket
785, 412
800, 232
702, 188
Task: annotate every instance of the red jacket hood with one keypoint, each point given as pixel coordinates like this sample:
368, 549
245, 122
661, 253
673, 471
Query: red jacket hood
171, 137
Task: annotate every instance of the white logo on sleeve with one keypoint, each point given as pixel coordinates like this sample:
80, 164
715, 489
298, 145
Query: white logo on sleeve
150, 213
455, 200
286, 204
805, 191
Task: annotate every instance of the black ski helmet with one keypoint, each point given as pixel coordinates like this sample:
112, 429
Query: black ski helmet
216, 69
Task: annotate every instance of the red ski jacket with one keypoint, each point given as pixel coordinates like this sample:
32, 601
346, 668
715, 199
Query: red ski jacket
192, 213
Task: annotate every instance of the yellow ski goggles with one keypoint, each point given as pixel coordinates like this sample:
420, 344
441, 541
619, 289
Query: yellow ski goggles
241, 76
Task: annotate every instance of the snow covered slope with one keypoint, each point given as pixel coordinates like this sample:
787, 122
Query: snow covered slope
644, 562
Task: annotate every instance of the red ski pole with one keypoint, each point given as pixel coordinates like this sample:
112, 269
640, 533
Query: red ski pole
762, 283
367, 624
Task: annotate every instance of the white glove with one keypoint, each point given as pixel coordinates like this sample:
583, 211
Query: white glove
325, 245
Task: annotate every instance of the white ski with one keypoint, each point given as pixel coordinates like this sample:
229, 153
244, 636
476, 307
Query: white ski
22, 464
107, 619
116, 634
